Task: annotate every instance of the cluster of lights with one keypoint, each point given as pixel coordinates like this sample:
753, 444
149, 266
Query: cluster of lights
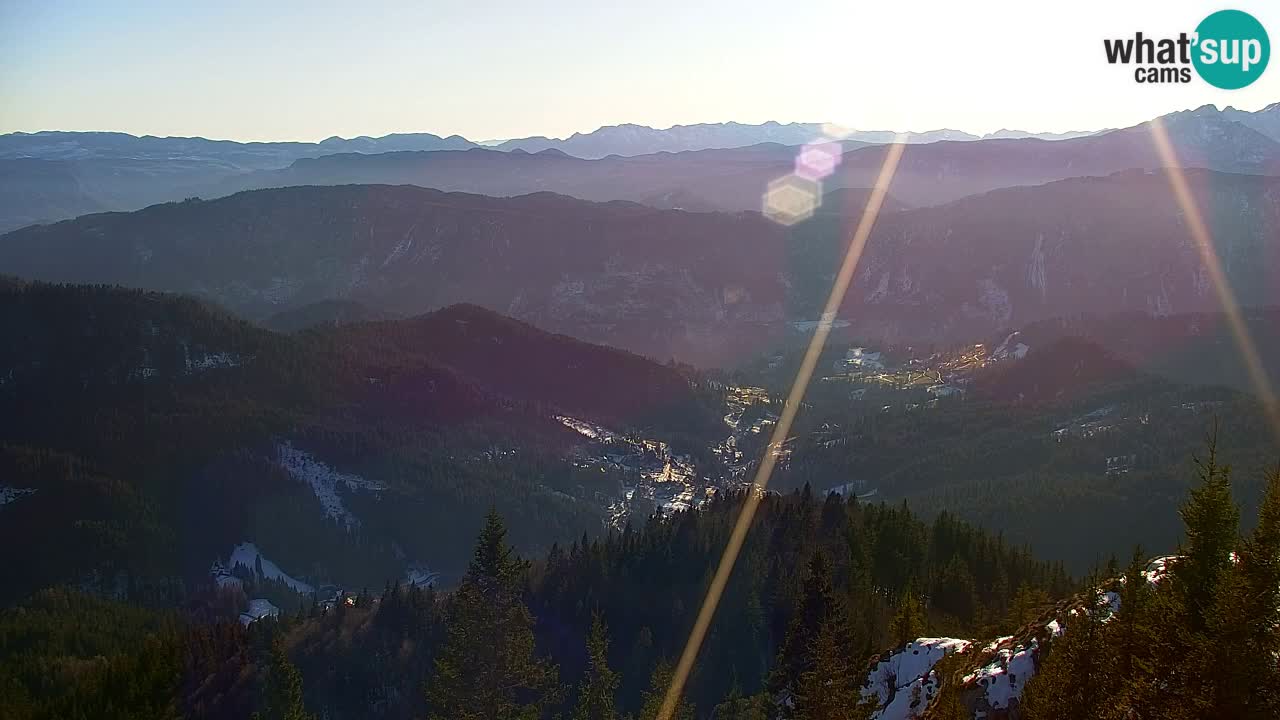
794, 197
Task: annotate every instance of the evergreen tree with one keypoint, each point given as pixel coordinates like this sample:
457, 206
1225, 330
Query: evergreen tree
596, 696
282, 697
659, 683
909, 621
1212, 529
737, 707
488, 669
816, 606
1132, 637
1027, 605
1071, 681
831, 688
1246, 625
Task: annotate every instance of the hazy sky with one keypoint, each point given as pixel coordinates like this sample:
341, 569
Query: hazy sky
275, 70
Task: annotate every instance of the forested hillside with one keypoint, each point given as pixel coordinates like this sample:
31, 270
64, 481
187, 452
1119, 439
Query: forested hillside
590, 630
146, 436
1046, 448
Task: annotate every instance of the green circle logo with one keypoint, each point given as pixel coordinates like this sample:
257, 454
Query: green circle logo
1232, 49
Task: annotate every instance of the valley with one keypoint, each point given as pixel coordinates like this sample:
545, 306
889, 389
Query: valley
414, 426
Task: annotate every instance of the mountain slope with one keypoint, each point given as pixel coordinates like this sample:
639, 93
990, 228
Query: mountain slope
703, 287
661, 283
522, 363
945, 171
1265, 121
1198, 347
352, 454
34, 190
1015, 256
324, 313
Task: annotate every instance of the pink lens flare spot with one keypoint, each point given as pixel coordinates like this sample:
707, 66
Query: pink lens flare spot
817, 160
792, 198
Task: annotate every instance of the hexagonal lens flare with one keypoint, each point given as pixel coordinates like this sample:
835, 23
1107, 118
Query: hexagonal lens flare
792, 198
817, 160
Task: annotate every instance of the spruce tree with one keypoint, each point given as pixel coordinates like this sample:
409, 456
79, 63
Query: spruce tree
909, 621
737, 707
1131, 638
831, 687
488, 669
659, 683
282, 696
1246, 625
596, 696
1212, 523
816, 606
1070, 682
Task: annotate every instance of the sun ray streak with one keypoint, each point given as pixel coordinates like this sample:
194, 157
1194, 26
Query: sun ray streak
1203, 241
893, 154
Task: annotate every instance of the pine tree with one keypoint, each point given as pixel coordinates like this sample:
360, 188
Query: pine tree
1027, 605
1131, 638
737, 707
282, 696
831, 688
487, 669
816, 606
1246, 624
1071, 681
1212, 528
908, 622
659, 683
596, 697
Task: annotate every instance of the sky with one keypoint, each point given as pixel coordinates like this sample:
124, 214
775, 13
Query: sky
286, 70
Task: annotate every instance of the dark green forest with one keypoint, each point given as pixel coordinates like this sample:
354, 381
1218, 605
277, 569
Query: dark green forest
591, 630
885, 575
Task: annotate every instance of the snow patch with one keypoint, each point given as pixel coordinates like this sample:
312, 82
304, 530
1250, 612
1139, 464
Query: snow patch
420, 575
1158, 568
904, 683
324, 482
991, 646
1003, 679
247, 554
9, 494
1010, 349
258, 608
590, 430
212, 360
402, 247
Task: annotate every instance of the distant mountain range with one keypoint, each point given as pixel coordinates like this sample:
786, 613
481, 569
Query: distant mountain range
55, 145
735, 179
630, 140
50, 176
703, 287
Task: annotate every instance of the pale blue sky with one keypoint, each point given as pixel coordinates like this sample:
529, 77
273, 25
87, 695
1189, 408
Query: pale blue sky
307, 70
